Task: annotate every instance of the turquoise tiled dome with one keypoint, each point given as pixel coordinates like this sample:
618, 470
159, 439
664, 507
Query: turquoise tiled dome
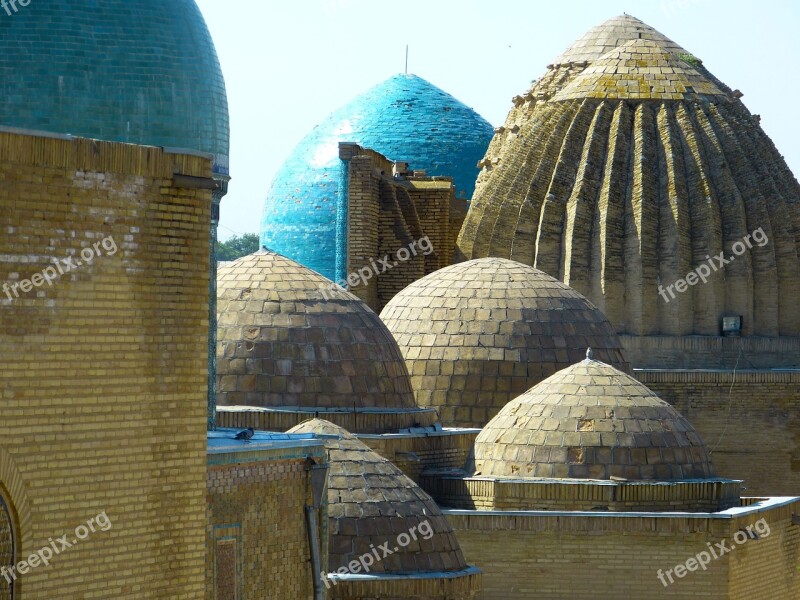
404, 118
143, 72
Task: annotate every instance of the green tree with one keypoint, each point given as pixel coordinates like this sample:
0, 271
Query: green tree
237, 246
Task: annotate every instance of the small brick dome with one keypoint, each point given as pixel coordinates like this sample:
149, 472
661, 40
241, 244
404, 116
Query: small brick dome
284, 339
371, 502
479, 333
591, 421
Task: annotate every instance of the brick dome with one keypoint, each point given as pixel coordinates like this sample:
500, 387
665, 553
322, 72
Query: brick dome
626, 168
371, 502
479, 333
281, 343
591, 421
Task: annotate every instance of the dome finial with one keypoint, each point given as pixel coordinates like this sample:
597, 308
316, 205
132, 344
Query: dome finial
589, 354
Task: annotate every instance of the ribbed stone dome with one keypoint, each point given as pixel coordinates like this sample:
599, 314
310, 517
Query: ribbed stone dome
623, 175
371, 502
479, 333
281, 343
404, 118
143, 72
591, 421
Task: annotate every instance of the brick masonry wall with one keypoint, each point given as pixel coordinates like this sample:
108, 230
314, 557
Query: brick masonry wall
711, 352
362, 213
399, 228
582, 495
750, 423
416, 453
458, 212
465, 587
606, 558
767, 568
255, 502
104, 372
432, 200
265, 419
385, 216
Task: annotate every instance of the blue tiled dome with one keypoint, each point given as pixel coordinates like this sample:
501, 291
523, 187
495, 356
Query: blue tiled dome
404, 118
144, 72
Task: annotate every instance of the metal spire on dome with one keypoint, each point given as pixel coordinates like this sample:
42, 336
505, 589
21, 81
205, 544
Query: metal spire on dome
589, 354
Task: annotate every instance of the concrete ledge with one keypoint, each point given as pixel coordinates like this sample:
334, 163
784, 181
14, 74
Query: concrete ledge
763, 505
397, 576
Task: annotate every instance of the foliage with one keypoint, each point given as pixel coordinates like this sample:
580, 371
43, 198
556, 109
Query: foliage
237, 246
690, 59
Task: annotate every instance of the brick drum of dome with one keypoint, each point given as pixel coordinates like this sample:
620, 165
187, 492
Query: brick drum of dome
477, 334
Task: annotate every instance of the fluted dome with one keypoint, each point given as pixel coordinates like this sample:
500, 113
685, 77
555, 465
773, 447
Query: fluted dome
144, 72
286, 340
370, 502
479, 333
627, 167
591, 421
404, 118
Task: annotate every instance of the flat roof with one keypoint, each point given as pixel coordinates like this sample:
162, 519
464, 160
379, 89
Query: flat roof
222, 441
762, 505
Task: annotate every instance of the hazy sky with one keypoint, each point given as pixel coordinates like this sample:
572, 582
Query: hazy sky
289, 64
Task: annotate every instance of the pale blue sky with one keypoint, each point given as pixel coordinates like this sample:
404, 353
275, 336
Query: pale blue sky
287, 65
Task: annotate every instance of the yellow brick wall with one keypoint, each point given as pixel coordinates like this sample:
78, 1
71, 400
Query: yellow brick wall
464, 587
257, 503
607, 558
489, 493
363, 209
413, 454
750, 422
385, 216
767, 568
103, 385
433, 200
